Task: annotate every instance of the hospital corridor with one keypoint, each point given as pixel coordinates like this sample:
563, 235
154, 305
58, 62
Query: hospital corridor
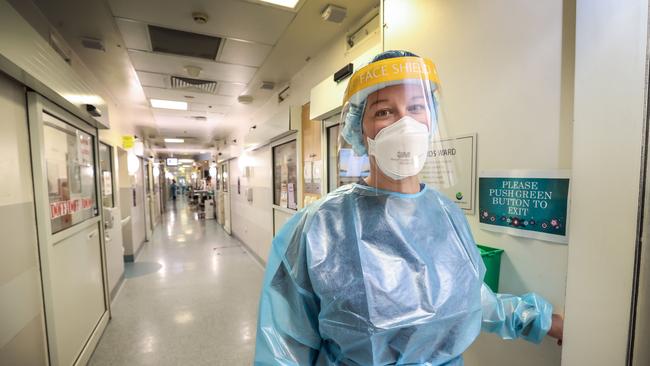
324, 182
189, 299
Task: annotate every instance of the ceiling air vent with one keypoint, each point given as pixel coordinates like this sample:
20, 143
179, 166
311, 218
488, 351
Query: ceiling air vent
183, 43
203, 86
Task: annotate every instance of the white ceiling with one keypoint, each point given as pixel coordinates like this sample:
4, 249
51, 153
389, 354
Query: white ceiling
174, 65
237, 19
249, 32
260, 43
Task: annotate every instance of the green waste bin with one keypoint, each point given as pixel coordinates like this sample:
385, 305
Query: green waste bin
492, 259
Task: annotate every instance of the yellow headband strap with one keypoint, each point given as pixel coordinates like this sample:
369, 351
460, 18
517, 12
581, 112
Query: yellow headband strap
391, 69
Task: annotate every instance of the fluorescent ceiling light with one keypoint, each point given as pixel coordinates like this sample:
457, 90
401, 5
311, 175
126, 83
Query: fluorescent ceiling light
168, 104
286, 3
189, 161
175, 141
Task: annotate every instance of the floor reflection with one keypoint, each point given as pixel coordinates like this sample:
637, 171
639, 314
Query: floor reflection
190, 298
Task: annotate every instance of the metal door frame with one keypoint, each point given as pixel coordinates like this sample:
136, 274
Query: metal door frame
36, 105
328, 123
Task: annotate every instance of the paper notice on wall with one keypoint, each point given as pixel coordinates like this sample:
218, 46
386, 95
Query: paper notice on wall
62, 208
312, 177
107, 183
451, 169
291, 196
283, 195
307, 171
317, 171
84, 148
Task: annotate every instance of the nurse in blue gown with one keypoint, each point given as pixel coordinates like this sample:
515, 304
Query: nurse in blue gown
385, 271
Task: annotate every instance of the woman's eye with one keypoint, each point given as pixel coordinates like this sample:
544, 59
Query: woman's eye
382, 113
417, 108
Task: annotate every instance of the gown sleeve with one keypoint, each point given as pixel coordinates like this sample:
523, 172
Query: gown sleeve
528, 316
287, 327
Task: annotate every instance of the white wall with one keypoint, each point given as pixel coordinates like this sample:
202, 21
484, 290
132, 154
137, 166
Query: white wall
253, 224
22, 332
137, 210
115, 246
610, 97
506, 75
120, 123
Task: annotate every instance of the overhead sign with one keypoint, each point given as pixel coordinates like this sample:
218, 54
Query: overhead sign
531, 204
453, 157
128, 141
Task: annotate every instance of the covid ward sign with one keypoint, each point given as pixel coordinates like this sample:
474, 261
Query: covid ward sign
522, 203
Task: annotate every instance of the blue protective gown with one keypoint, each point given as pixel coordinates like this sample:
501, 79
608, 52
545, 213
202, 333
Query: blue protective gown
371, 277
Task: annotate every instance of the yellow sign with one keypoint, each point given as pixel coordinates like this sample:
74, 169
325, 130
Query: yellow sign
128, 141
391, 69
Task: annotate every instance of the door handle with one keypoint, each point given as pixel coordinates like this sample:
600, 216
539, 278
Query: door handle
92, 235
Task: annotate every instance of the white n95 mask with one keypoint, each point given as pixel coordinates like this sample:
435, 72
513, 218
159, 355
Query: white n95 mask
400, 149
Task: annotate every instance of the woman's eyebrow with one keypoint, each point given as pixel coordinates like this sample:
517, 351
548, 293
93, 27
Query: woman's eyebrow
377, 102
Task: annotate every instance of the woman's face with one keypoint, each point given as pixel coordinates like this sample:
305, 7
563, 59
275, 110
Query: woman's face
387, 106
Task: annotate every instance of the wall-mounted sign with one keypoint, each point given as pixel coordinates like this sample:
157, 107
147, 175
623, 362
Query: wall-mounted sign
453, 157
531, 204
84, 148
312, 176
291, 197
107, 183
283, 195
128, 141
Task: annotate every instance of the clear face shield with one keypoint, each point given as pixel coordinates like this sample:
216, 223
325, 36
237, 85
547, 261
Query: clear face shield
392, 134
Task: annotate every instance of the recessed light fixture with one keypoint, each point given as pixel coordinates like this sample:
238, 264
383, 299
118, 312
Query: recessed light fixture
286, 3
174, 141
169, 104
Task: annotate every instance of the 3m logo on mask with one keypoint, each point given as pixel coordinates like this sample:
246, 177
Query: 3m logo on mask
403, 154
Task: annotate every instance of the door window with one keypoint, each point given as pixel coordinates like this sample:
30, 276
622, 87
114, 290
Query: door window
70, 159
343, 166
106, 167
285, 175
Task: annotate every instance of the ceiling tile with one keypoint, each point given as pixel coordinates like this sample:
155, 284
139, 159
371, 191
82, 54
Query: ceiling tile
153, 79
230, 89
244, 53
226, 18
198, 98
134, 34
174, 65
